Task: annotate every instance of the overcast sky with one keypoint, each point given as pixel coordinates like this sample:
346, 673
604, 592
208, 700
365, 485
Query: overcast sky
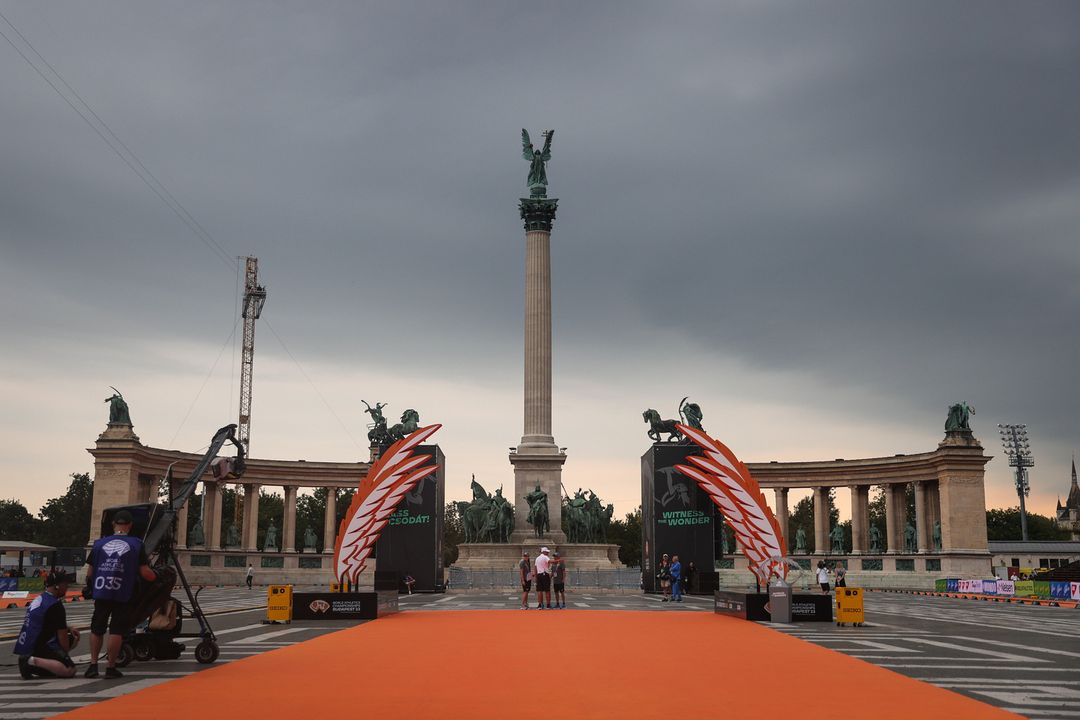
824, 223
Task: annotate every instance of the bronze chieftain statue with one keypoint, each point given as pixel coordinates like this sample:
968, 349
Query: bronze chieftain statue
538, 511
658, 427
380, 434
586, 519
487, 518
837, 537
537, 158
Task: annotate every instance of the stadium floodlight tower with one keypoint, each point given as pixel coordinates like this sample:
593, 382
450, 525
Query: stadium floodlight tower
1014, 438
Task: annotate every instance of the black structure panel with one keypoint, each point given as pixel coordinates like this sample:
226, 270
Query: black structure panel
411, 542
677, 517
343, 606
752, 606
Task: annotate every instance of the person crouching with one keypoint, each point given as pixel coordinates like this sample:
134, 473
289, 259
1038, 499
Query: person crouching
45, 640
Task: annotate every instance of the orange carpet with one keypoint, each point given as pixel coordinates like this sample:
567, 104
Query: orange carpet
560, 664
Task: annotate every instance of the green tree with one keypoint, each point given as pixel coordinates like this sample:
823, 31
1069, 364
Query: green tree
626, 533
65, 520
271, 510
803, 517
453, 534
16, 522
1004, 524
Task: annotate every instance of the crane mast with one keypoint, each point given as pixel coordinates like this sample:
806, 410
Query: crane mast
254, 299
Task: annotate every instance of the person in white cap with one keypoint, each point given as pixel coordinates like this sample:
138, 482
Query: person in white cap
543, 579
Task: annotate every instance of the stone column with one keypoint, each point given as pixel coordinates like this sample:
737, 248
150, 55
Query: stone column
116, 475
251, 517
821, 520
933, 510
899, 491
538, 460
181, 524
922, 532
782, 512
330, 520
288, 525
213, 516
859, 518
890, 521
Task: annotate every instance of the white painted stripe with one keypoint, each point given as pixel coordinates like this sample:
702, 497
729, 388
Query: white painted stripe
883, 646
978, 651
118, 690
448, 598
242, 628
1010, 668
581, 604
267, 636
1032, 648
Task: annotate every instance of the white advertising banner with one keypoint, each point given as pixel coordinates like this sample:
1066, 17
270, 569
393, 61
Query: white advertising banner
1075, 587
989, 587
1006, 587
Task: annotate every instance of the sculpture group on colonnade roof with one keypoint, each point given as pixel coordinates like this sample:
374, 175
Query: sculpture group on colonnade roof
690, 414
381, 435
118, 409
959, 418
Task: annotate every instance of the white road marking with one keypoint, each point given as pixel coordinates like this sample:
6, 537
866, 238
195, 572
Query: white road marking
267, 636
1033, 648
977, 651
118, 690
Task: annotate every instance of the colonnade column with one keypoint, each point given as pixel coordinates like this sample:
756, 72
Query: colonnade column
181, 526
782, 512
890, 520
288, 525
933, 511
330, 521
251, 517
213, 516
821, 520
922, 532
859, 518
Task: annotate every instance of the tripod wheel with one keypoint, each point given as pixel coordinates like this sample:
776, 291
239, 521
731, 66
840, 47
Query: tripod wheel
206, 652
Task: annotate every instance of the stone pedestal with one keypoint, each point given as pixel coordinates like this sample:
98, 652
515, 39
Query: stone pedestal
531, 468
506, 556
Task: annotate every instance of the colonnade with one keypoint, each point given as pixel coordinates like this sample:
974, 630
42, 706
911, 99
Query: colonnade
927, 515
213, 529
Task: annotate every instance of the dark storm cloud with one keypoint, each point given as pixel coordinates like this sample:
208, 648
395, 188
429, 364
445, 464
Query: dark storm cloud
880, 194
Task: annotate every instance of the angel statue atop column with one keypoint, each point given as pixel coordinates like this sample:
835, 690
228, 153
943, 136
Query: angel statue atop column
537, 172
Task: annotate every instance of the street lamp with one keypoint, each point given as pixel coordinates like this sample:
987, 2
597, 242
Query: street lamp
1014, 438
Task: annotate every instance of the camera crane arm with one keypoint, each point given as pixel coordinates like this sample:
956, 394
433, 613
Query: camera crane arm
162, 529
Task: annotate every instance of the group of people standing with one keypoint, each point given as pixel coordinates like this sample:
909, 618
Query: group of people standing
548, 571
823, 571
674, 578
116, 563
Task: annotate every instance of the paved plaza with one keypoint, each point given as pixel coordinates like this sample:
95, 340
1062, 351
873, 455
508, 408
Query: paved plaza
1020, 658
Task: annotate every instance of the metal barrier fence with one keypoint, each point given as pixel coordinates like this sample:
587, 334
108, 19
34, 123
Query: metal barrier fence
622, 579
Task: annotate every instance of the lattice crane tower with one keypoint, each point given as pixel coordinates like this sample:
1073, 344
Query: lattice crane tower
254, 299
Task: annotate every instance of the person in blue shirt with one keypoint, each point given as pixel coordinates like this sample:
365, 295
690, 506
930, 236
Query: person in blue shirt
116, 564
45, 638
676, 579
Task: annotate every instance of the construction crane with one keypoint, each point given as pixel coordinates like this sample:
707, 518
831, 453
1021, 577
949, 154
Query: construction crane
254, 299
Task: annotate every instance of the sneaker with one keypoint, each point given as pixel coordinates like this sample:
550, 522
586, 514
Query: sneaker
91, 672
24, 668
112, 673
549, 607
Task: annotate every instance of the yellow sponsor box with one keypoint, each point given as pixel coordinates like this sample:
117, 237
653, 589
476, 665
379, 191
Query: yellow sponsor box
849, 606
279, 604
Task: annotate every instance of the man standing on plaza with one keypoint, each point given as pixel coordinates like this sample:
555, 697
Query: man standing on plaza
250, 575
116, 564
45, 639
543, 579
676, 579
558, 579
525, 575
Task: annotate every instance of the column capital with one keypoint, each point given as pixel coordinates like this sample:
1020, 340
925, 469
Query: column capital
538, 213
